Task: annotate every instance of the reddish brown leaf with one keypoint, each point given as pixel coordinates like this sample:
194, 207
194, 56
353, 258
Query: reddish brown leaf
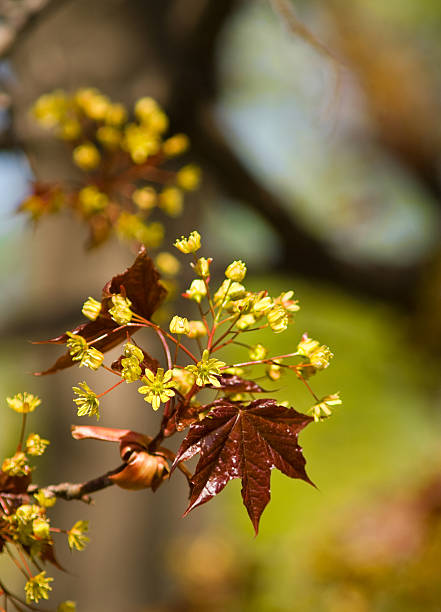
247, 442
231, 383
184, 415
14, 484
140, 283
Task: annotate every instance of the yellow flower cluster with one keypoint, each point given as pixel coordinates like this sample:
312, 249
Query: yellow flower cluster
123, 150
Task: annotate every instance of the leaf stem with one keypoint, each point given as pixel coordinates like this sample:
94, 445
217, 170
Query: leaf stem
259, 361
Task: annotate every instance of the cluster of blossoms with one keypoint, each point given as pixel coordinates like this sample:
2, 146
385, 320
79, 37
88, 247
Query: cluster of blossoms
232, 310
25, 528
213, 398
123, 157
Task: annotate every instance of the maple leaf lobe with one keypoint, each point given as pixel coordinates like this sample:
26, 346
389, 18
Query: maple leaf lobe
141, 284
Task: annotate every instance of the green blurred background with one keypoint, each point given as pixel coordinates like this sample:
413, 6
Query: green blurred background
321, 163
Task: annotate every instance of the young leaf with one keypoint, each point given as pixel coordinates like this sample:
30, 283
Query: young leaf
140, 283
247, 442
231, 383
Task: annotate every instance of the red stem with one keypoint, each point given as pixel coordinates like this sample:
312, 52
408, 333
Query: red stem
111, 388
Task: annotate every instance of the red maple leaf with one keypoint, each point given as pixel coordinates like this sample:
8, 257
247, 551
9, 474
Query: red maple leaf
244, 441
140, 283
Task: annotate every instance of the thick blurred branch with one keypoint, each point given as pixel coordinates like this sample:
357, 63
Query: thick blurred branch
186, 53
190, 65
18, 17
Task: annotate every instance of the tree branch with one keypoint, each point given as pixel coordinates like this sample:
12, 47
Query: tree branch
80, 491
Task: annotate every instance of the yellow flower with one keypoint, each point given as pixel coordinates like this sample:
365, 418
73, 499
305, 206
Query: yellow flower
206, 370
17, 465
50, 109
36, 445
140, 142
323, 408
91, 309
92, 358
157, 388
236, 271
190, 244
318, 355
87, 401
75, 536
278, 319
77, 346
120, 311
23, 402
38, 587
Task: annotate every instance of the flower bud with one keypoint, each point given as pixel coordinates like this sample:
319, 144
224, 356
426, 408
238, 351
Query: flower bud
197, 329
142, 470
145, 108
236, 271
273, 370
40, 528
179, 325
307, 346
109, 136
287, 302
257, 352
202, 266
86, 156
230, 290
171, 201
175, 145
197, 291
245, 321
131, 370
145, 198
167, 264
116, 114
263, 305
189, 177
131, 350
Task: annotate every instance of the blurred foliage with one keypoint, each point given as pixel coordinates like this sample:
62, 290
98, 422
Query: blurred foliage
382, 443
